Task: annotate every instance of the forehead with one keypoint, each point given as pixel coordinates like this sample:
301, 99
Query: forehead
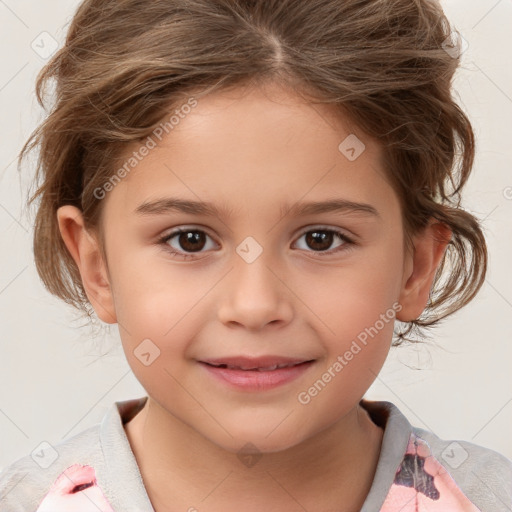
236, 147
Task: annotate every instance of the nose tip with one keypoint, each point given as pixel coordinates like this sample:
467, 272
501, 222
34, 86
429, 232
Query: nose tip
255, 297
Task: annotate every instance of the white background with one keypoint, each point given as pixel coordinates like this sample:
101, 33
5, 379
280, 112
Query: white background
56, 379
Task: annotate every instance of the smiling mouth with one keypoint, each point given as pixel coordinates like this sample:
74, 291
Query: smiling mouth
258, 368
257, 374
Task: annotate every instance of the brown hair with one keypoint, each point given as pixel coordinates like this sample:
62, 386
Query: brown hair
125, 63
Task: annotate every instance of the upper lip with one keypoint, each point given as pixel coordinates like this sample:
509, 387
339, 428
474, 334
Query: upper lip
250, 363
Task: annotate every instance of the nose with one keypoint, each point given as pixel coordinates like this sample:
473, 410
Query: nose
254, 295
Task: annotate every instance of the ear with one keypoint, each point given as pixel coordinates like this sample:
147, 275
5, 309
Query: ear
420, 269
85, 250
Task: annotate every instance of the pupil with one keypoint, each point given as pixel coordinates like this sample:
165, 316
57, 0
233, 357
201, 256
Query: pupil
317, 236
189, 240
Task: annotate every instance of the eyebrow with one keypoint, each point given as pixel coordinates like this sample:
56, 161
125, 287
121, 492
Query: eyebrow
173, 204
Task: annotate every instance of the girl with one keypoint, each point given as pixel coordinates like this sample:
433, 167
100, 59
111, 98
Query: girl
308, 150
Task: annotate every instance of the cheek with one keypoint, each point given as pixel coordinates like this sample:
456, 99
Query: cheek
354, 362
357, 306
157, 313
349, 298
151, 293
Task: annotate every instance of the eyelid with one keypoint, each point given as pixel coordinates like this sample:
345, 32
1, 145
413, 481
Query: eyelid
186, 227
324, 227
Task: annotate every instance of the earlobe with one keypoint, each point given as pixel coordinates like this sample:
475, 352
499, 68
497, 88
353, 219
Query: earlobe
85, 251
429, 248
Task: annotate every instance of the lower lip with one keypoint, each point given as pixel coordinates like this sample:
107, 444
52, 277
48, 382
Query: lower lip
255, 380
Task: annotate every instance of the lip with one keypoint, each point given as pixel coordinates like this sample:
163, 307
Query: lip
256, 374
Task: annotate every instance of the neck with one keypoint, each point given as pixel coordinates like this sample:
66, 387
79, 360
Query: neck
332, 469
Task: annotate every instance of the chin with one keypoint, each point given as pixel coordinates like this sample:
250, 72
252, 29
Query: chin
259, 441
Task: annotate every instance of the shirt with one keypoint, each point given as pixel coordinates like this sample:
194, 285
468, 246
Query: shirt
96, 470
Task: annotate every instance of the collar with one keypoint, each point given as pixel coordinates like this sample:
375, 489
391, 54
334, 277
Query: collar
129, 493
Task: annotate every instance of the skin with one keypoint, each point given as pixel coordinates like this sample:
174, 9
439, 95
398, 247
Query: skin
252, 151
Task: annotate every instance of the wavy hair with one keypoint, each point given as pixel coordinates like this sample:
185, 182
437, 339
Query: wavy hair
384, 63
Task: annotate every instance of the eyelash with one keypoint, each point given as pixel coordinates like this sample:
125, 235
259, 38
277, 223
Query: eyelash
348, 242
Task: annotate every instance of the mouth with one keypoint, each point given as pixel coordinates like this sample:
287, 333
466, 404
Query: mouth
256, 374
263, 364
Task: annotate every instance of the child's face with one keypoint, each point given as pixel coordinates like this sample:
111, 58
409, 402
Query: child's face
253, 157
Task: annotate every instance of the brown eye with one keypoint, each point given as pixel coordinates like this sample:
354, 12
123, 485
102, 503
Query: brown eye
187, 242
321, 240
191, 240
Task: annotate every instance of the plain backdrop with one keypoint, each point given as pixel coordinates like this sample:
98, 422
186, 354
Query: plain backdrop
56, 379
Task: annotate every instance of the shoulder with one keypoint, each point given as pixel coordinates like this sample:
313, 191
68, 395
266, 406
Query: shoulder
25, 482
483, 475
416, 465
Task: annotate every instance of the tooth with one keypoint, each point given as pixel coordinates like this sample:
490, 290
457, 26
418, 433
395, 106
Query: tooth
268, 368
265, 369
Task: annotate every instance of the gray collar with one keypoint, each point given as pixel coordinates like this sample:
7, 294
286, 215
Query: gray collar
129, 491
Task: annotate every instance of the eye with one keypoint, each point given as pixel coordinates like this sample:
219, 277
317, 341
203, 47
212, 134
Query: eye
320, 239
188, 240
185, 242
